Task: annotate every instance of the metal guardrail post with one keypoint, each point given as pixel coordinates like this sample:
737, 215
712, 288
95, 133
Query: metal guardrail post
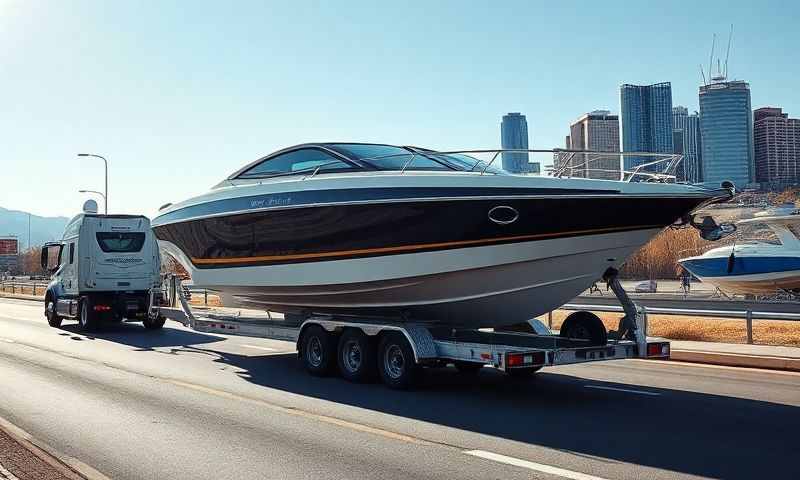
644, 320
550, 320
205, 296
749, 321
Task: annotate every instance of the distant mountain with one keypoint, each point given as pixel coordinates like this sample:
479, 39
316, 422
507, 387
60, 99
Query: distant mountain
43, 229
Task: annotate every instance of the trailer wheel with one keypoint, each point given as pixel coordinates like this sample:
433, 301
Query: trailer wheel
586, 326
468, 367
154, 323
318, 351
88, 318
396, 362
53, 319
356, 356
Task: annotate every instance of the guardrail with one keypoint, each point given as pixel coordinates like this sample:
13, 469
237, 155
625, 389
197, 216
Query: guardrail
23, 287
748, 314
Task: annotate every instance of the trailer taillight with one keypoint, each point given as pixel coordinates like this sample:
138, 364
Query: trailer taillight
102, 308
660, 349
525, 359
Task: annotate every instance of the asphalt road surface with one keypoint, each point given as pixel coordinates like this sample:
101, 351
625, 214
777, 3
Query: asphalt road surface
180, 404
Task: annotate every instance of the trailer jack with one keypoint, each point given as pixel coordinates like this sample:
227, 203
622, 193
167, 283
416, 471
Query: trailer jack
630, 324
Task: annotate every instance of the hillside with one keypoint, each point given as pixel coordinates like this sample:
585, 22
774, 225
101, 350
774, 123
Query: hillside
43, 229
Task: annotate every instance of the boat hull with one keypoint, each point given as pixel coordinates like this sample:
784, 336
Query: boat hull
451, 253
753, 275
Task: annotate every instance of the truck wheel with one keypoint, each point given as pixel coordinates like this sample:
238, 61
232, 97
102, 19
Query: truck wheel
356, 356
318, 351
468, 367
88, 318
585, 326
50, 312
396, 362
154, 323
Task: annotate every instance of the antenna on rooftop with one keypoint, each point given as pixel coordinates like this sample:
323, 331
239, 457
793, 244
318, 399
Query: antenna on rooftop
728, 54
711, 57
703, 75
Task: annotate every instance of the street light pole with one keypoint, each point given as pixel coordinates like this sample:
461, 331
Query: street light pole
95, 191
105, 162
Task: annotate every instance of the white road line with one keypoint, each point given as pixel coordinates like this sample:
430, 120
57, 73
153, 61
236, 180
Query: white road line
626, 390
539, 467
8, 340
266, 349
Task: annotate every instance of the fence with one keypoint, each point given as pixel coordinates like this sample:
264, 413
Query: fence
23, 287
747, 314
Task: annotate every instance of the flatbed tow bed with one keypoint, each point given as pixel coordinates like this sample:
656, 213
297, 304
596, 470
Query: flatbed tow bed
364, 347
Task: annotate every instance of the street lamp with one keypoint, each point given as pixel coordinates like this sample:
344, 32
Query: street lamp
99, 193
105, 162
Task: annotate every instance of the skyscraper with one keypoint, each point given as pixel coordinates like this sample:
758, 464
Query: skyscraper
726, 128
686, 142
596, 131
514, 135
646, 120
777, 147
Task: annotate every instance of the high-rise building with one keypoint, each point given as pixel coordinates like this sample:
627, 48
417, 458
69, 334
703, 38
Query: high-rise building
777, 147
514, 135
726, 128
596, 131
686, 142
646, 120
692, 164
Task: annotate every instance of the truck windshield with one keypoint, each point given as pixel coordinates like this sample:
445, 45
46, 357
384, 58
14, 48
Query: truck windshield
120, 242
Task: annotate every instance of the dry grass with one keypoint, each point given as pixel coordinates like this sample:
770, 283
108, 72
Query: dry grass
705, 329
199, 299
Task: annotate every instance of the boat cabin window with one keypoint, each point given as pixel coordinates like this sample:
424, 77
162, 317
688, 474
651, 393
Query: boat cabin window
388, 157
305, 160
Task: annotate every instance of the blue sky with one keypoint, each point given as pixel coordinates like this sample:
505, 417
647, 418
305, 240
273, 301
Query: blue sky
180, 94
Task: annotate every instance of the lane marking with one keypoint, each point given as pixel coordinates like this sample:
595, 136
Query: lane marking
539, 467
626, 390
311, 416
266, 349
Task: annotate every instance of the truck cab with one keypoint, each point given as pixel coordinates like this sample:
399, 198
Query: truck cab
104, 268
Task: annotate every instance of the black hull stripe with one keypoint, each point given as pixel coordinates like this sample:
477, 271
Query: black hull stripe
348, 195
419, 248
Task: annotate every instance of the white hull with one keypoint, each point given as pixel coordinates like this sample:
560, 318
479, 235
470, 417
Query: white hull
503, 283
760, 284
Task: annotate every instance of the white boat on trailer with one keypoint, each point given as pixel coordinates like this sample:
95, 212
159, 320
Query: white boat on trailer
417, 235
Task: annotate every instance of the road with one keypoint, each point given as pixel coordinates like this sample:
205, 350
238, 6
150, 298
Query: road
180, 404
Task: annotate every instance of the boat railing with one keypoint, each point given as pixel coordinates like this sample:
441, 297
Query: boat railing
641, 166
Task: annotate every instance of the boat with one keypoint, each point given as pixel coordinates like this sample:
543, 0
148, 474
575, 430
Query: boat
414, 234
755, 267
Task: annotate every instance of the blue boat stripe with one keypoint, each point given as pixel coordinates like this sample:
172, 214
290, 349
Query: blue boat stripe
314, 197
742, 265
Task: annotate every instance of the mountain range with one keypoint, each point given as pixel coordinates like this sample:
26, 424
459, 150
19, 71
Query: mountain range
42, 229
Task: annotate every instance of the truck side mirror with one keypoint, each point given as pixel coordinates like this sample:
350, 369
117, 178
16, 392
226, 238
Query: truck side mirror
51, 256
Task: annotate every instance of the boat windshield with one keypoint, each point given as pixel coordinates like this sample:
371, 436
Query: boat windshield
388, 157
462, 161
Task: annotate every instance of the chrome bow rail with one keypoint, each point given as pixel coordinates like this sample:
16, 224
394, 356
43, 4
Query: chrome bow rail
644, 166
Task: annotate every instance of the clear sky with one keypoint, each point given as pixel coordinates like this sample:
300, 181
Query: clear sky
180, 94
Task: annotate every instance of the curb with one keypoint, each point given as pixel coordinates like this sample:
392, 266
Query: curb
736, 360
70, 467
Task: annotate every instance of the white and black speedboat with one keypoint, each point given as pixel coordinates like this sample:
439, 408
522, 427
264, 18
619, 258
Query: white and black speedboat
411, 233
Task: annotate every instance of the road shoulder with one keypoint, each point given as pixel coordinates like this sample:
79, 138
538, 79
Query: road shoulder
23, 457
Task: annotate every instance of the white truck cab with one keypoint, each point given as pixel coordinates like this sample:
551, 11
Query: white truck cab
105, 267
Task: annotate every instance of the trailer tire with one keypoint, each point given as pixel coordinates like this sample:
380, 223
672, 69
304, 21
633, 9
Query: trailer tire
53, 319
154, 323
356, 356
585, 325
396, 363
318, 351
87, 320
470, 368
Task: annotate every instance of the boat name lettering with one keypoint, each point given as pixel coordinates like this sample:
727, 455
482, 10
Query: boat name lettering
270, 202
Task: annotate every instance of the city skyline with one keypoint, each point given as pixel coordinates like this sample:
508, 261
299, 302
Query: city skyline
177, 105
